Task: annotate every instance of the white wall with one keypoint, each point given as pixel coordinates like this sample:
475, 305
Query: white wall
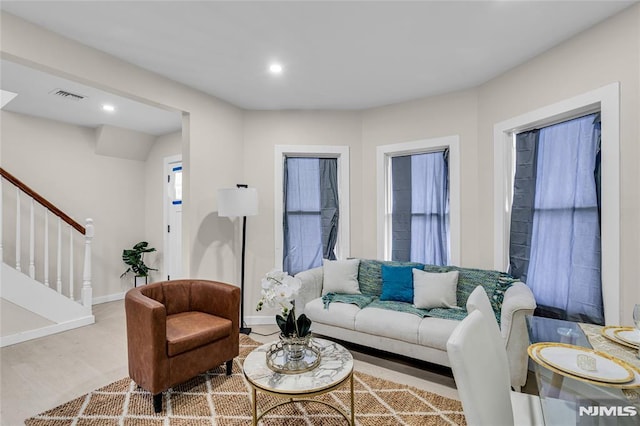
262, 131
212, 129
223, 145
58, 161
155, 184
606, 53
435, 117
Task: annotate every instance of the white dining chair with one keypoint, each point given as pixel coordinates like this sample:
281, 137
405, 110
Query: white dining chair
478, 300
479, 362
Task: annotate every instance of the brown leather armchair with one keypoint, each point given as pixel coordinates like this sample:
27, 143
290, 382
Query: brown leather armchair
179, 329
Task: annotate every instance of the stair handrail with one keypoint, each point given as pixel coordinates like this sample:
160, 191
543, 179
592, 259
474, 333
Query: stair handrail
43, 201
86, 298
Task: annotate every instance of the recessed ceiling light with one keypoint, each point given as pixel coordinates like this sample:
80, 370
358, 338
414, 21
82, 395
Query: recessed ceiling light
275, 68
108, 108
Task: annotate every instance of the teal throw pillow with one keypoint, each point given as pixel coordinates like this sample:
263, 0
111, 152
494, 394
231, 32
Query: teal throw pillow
397, 283
370, 274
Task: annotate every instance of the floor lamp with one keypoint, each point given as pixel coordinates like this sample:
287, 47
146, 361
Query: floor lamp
239, 202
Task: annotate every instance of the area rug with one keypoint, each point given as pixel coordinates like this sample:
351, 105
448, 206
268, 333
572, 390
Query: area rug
216, 399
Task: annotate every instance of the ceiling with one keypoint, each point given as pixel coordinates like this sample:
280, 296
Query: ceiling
335, 54
36, 96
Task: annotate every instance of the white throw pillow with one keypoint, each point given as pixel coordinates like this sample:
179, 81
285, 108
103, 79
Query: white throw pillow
434, 289
340, 276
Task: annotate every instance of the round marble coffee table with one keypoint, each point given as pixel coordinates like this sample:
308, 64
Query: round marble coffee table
335, 368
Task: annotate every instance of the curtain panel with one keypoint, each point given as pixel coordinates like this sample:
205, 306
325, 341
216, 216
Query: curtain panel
563, 239
524, 191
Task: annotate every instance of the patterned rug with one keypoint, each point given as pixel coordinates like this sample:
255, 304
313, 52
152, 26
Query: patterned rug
216, 399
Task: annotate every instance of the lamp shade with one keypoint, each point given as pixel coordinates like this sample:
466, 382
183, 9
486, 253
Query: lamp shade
234, 202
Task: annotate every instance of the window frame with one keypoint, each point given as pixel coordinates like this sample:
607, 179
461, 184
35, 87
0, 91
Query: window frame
605, 99
384, 155
339, 152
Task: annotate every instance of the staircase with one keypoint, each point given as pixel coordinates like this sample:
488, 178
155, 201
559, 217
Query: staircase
50, 291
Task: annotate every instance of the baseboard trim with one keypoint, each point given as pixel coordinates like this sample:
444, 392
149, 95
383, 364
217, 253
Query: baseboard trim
108, 298
23, 336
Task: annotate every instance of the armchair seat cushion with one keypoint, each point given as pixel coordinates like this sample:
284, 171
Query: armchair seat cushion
190, 330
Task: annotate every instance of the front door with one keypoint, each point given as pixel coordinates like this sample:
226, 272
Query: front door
173, 236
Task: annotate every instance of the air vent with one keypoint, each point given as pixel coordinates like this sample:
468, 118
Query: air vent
67, 95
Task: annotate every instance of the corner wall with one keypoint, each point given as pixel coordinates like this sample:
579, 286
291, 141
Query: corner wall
604, 54
262, 131
223, 145
58, 161
212, 136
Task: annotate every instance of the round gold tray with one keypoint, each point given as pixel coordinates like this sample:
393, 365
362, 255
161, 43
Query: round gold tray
278, 361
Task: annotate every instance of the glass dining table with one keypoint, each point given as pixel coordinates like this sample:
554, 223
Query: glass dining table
568, 401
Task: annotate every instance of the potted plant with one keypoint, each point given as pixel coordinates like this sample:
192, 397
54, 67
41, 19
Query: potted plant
279, 288
134, 258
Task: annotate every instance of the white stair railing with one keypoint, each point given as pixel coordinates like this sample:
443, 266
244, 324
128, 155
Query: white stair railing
72, 227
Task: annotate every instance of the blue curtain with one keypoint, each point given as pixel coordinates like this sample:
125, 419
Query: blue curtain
310, 219
564, 270
420, 208
524, 197
430, 208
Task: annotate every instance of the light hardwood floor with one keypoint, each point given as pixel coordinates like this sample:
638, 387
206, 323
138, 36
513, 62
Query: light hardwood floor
43, 373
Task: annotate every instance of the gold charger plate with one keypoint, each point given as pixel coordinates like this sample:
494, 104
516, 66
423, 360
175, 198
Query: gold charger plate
609, 333
632, 384
622, 333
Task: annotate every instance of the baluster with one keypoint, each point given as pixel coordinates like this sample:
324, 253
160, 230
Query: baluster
70, 263
18, 248
32, 240
59, 272
87, 292
46, 247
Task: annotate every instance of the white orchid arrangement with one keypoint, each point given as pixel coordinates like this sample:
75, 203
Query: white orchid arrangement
279, 289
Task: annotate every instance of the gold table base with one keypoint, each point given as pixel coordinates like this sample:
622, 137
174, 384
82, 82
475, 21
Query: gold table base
302, 397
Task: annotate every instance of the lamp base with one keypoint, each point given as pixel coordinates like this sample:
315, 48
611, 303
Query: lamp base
245, 330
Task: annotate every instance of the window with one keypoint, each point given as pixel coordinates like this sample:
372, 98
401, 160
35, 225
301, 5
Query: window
311, 209
311, 213
418, 201
606, 100
176, 189
555, 220
420, 208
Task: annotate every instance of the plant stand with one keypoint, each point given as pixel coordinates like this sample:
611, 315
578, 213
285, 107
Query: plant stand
138, 280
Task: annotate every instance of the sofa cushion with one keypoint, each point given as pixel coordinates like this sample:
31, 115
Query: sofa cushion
370, 274
189, 330
340, 276
434, 332
338, 314
386, 323
433, 289
397, 283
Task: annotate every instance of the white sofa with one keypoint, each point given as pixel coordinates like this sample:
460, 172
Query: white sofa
410, 335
